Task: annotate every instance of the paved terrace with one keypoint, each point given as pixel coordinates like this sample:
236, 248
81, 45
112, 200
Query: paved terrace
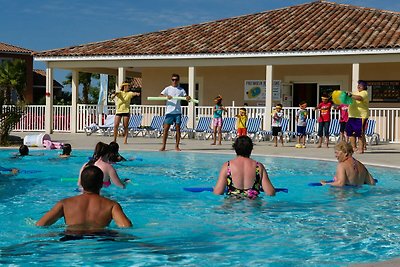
382, 154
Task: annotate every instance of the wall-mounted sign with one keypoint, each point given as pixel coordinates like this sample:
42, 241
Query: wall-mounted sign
255, 90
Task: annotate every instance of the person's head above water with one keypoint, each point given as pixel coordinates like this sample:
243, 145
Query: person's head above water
114, 147
23, 150
243, 146
92, 179
67, 149
101, 150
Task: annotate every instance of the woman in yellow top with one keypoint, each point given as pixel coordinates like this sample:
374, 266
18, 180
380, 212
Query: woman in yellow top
123, 102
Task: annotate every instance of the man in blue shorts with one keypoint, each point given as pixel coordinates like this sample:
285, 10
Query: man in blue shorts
358, 116
173, 111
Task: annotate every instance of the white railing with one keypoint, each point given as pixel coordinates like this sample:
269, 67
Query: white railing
387, 119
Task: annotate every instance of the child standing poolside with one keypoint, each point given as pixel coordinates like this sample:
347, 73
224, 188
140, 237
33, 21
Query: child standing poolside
324, 120
344, 117
301, 116
242, 122
217, 119
277, 117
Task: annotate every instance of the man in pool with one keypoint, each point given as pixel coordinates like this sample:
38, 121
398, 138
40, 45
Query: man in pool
88, 212
349, 171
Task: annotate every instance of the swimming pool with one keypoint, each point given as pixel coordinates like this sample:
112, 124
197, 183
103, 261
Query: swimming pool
313, 226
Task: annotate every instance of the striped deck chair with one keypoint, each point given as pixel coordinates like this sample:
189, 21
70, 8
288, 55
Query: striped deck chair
370, 135
108, 126
203, 128
156, 127
228, 128
265, 135
184, 130
334, 130
254, 128
135, 121
311, 134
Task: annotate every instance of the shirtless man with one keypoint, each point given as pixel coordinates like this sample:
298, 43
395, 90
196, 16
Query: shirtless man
349, 171
89, 211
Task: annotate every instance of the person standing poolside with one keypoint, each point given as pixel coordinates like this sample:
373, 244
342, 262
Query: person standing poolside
277, 117
123, 103
217, 120
343, 118
324, 120
242, 122
173, 110
358, 116
88, 211
100, 159
349, 171
301, 116
243, 176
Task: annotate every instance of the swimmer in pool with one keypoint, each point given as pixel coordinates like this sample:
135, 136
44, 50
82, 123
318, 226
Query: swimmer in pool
88, 212
67, 149
114, 153
349, 171
243, 176
101, 159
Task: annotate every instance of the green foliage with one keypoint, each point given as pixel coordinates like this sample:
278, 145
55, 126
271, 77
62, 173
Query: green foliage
85, 79
12, 78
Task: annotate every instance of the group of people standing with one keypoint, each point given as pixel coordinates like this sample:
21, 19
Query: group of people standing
352, 118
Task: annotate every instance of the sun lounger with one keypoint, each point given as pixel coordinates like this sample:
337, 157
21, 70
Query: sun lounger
104, 129
370, 135
203, 128
135, 121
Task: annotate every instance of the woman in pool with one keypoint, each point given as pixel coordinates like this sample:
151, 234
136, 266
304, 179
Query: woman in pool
101, 159
114, 153
349, 171
243, 176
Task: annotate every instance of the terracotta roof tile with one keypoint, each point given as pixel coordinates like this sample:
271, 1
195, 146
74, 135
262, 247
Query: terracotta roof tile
7, 48
315, 26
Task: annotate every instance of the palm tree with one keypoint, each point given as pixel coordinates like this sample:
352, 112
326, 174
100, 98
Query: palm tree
85, 78
12, 77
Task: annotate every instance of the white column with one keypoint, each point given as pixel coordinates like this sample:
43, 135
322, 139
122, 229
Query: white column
48, 125
121, 78
192, 86
268, 97
355, 77
74, 107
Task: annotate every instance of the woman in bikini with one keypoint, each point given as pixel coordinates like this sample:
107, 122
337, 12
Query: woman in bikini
243, 177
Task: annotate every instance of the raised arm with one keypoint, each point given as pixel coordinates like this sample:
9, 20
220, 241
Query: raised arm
267, 186
119, 216
52, 216
219, 188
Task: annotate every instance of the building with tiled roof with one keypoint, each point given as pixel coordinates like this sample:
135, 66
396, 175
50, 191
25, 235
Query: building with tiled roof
11, 52
292, 54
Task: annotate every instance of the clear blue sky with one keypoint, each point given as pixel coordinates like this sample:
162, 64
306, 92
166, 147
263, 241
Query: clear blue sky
48, 24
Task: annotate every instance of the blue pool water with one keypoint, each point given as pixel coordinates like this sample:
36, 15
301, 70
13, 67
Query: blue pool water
312, 226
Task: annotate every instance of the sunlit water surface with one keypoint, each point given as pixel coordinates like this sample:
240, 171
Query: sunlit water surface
313, 226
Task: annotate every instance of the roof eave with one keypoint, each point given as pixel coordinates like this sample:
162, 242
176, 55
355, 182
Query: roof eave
222, 55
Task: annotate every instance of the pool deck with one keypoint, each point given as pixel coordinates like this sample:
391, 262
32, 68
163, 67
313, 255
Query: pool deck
382, 154
379, 155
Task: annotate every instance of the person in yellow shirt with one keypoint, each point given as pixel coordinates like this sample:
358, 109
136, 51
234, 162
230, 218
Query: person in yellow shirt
358, 116
242, 122
123, 102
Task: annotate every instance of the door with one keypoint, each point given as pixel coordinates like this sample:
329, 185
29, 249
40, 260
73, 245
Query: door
305, 92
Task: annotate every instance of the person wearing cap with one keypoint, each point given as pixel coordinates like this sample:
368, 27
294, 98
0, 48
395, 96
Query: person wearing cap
123, 102
173, 111
324, 120
358, 116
